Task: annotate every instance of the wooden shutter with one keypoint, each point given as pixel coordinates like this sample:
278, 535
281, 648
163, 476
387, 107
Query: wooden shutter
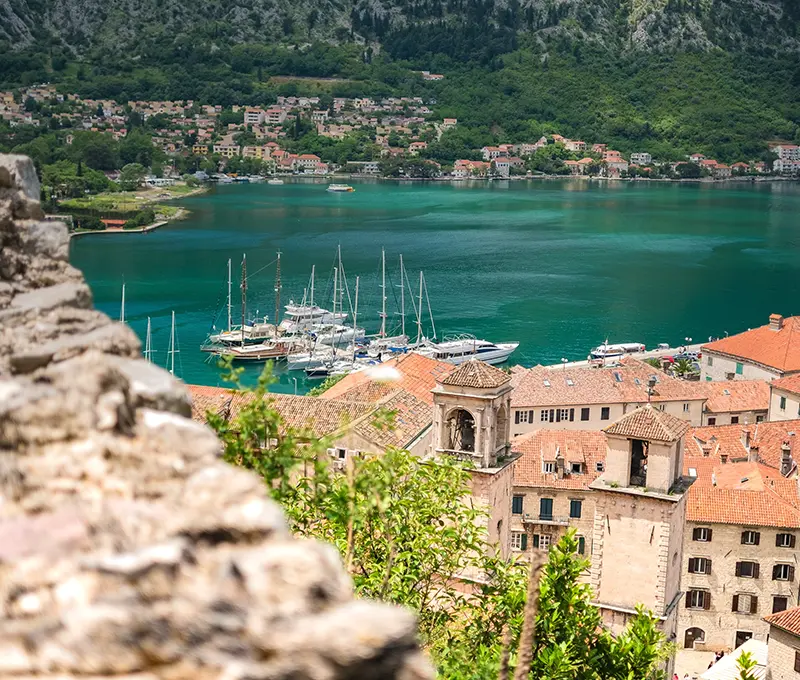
530, 416
792, 540
756, 569
692, 561
688, 603
708, 566
797, 662
706, 600
524, 542
516, 417
744, 533
775, 572
735, 604
753, 604
571, 414
791, 572
536, 540
558, 415
696, 533
738, 568
710, 532
758, 537
778, 540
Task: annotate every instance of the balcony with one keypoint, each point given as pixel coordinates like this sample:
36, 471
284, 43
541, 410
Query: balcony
546, 520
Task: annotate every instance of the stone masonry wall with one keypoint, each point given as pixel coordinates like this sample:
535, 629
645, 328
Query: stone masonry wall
127, 547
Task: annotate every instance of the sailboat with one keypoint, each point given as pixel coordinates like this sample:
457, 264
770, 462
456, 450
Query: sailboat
148, 343
173, 346
255, 331
122, 306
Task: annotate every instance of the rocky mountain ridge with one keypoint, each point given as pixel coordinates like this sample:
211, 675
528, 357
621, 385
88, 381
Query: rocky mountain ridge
656, 25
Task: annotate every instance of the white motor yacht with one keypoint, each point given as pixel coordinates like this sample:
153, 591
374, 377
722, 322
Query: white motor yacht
464, 348
304, 317
256, 331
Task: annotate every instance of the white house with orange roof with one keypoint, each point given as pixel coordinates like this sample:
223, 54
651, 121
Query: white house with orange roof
736, 402
784, 398
783, 649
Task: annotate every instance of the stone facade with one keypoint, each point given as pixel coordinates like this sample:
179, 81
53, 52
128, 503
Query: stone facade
719, 623
782, 655
127, 546
717, 366
784, 404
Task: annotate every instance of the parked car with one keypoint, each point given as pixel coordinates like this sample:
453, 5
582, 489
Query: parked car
688, 355
669, 360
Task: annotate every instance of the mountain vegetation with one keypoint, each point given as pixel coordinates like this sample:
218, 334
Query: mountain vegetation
667, 76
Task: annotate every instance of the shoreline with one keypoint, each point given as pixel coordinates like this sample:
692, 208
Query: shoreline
181, 214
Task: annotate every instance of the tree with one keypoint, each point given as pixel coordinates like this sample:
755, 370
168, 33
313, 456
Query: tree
688, 170
746, 666
97, 150
654, 362
131, 176
137, 147
683, 368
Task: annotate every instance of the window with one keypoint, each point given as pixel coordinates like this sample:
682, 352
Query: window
516, 505
699, 565
747, 569
709, 361
784, 541
543, 542
519, 540
523, 417
570, 382
605, 413
585, 412
565, 414
734, 420
782, 404
739, 368
575, 507
686, 408
548, 467
702, 534
576, 468
341, 454
783, 572
759, 419
698, 599
797, 662
745, 604
545, 416
581, 545
546, 508
780, 603
751, 538
599, 466
712, 421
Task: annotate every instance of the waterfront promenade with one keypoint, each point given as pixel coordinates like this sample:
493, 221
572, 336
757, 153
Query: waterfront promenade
650, 354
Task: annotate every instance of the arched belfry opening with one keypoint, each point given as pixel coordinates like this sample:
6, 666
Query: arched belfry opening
501, 428
460, 430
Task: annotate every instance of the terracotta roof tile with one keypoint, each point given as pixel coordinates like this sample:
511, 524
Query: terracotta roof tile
733, 396
411, 417
650, 423
788, 620
418, 375
790, 383
627, 383
778, 349
765, 440
320, 417
584, 446
476, 373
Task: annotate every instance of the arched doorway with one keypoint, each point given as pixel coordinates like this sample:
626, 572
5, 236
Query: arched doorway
693, 635
460, 431
500, 437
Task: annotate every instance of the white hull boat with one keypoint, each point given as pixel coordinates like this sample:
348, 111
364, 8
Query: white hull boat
336, 336
255, 332
464, 349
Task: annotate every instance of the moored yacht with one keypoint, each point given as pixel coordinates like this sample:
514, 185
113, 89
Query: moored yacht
464, 348
606, 351
340, 188
256, 331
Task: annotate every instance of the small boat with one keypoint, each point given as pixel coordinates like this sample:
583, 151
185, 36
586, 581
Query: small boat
464, 348
274, 181
340, 188
606, 351
255, 178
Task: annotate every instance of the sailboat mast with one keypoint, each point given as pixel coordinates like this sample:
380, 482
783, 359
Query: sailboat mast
335, 285
430, 312
402, 300
229, 295
277, 294
355, 321
172, 345
122, 307
419, 310
383, 293
313, 267
244, 293
148, 348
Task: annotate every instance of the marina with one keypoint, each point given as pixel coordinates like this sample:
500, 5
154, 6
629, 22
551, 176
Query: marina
557, 266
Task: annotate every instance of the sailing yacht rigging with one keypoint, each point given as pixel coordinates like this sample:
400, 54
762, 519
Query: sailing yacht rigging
148, 343
173, 346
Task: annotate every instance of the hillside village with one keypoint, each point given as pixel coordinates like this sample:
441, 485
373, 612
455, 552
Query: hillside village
684, 494
391, 137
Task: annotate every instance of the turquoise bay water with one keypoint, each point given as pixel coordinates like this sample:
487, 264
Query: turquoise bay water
557, 265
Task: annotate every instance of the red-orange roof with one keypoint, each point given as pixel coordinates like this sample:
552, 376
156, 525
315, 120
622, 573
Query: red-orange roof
790, 383
778, 349
418, 375
574, 446
735, 396
788, 620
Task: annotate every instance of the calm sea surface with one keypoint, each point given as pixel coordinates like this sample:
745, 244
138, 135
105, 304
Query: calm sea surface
557, 265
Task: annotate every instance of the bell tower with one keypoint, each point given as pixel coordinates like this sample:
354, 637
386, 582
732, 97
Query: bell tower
639, 518
471, 407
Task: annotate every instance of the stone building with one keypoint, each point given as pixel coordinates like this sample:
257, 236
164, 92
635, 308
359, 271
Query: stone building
640, 503
591, 398
764, 353
783, 653
551, 487
470, 422
736, 401
784, 398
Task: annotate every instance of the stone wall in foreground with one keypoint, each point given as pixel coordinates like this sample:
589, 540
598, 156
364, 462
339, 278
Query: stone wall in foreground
127, 547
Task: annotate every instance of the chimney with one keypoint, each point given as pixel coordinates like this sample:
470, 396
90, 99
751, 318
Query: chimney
723, 458
559, 464
786, 458
775, 322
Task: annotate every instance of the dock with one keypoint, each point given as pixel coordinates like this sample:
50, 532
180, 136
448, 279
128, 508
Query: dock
649, 354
